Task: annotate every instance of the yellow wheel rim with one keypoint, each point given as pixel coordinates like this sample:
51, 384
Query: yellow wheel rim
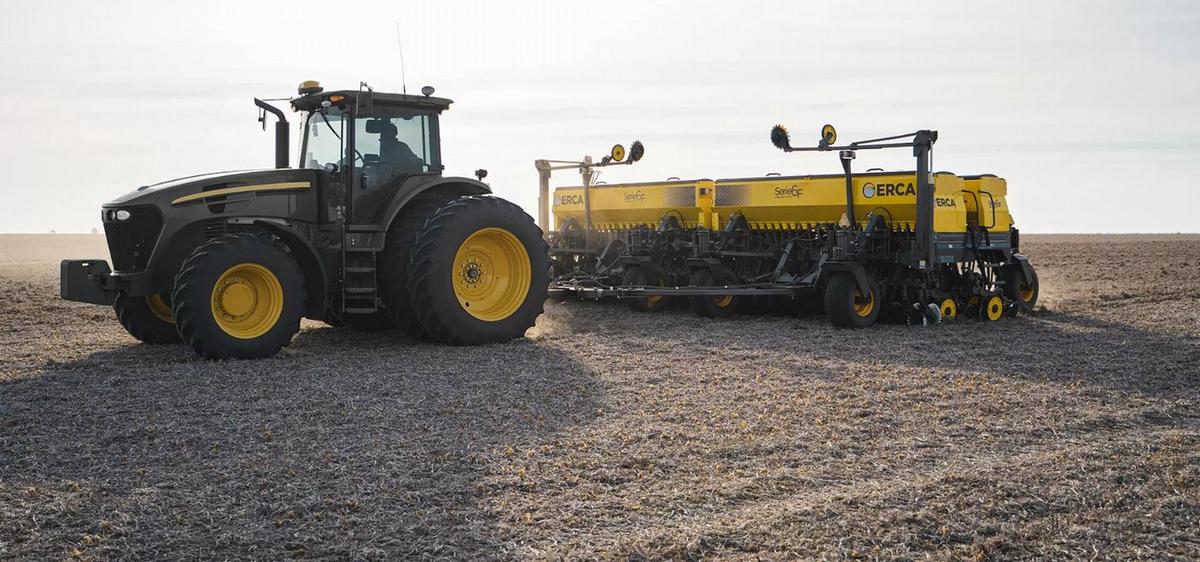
995, 308
247, 301
1026, 292
159, 308
949, 309
492, 273
653, 299
863, 307
723, 300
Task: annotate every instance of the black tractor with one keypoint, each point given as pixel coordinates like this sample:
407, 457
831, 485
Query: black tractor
365, 232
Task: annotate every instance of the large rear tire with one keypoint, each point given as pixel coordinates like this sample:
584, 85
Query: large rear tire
239, 296
395, 271
478, 272
845, 304
148, 318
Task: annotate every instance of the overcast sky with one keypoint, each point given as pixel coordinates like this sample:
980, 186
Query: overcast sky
1091, 110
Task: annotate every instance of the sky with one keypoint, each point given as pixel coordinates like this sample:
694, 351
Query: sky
1090, 110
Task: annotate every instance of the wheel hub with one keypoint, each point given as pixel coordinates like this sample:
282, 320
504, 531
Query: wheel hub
472, 272
236, 298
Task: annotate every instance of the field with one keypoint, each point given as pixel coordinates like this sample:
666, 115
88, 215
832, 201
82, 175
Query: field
1070, 433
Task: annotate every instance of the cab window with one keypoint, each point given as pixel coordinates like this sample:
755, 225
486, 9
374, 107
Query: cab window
397, 144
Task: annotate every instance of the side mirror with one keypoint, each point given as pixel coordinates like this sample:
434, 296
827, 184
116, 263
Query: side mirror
636, 151
779, 137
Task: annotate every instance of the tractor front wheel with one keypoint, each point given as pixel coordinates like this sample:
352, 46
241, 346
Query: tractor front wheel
239, 296
478, 272
147, 318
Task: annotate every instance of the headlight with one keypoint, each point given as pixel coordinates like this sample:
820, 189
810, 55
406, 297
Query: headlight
123, 215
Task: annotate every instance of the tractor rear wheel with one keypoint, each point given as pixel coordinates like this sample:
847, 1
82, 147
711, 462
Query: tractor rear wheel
147, 318
712, 306
239, 296
645, 276
1019, 289
847, 306
478, 272
395, 271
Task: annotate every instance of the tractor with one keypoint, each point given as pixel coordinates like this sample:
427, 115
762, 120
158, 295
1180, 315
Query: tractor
364, 232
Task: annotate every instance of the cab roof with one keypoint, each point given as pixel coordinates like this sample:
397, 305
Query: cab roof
365, 98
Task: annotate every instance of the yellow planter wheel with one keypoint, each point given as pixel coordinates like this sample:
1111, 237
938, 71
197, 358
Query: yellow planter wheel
993, 308
710, 306
645, 276
949, 309
863, 305
1021, 290
846, 304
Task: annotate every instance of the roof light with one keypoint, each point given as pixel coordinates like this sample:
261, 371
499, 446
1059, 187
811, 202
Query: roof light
427, 91
336, 99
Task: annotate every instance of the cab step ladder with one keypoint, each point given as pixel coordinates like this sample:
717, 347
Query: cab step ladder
360, 289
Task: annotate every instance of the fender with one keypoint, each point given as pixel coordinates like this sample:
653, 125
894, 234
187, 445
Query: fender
1023, 262
856, 270
413, 187
315, 280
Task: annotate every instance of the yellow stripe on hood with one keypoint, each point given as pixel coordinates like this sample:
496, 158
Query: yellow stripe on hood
283, 186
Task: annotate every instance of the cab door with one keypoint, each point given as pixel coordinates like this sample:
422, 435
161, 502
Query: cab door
391, 146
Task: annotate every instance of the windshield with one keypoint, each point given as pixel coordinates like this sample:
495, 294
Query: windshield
323, 141
399, 142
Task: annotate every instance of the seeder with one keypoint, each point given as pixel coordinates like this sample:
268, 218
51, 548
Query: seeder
904, 245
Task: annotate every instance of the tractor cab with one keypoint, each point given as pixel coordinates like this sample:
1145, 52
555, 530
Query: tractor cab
372, 142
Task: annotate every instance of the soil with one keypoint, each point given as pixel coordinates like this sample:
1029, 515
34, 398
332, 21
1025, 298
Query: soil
1069, 433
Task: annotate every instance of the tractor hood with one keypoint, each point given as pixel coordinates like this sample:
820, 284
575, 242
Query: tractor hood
164, 193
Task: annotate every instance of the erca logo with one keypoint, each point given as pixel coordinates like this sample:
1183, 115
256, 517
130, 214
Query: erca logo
786, 192
568, 199
635, 197
946, 202
887, 189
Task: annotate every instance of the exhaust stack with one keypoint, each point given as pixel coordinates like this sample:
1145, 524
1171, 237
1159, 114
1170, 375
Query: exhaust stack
281, 131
